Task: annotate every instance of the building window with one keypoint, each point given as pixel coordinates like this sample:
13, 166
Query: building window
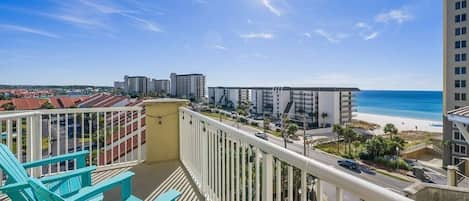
463, 4
458, 5
460, 70
460, 96
460, 18
460, 31
456, 160
460, 83
460, 57
458, 136
460, 44
460, 149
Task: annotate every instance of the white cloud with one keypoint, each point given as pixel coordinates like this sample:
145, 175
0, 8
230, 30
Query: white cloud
257, 35
268, 5
75, 20
362, 25
110, 10
145, 24
331, 37
397, 15
370, 36
308, 35
23, 29
220, 47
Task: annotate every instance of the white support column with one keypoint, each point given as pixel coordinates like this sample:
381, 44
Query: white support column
303, 186
267, 177
318, 189
290, 182
339, 194
278, 173
35, 143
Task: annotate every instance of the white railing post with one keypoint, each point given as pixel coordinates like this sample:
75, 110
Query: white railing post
139, 135
34, 143
267, 177
290, 182
339, 195
318, 189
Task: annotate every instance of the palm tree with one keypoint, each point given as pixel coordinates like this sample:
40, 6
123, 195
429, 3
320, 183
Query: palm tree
390, 129
350, 136
338, 129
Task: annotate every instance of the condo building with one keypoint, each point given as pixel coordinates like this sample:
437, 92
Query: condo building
136, 85
188, 86
454, 76
318, 107
160, 86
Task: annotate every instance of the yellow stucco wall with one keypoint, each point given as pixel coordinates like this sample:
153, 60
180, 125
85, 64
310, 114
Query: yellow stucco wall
162, 129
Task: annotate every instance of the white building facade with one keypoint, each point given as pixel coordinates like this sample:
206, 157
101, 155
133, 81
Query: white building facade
188, 86
319, 107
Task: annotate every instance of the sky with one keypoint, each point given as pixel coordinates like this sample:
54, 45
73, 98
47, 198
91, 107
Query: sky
370, 44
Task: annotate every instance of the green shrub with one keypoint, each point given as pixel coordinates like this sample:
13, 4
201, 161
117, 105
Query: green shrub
254, 124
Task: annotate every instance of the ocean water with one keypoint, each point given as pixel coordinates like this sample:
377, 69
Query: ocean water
413, 104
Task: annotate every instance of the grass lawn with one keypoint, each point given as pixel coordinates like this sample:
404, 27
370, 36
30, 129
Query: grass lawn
332, 149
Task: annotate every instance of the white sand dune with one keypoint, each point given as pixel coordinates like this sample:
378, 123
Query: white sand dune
402, 123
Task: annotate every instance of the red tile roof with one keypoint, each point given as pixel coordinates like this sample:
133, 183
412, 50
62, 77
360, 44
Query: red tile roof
28, 103
3, 102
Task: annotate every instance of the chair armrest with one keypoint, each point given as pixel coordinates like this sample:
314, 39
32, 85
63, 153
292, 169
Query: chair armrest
67, 175
14, 187
80, 155
123, 180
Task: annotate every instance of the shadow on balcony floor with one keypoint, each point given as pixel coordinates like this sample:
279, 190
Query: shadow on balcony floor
150, 180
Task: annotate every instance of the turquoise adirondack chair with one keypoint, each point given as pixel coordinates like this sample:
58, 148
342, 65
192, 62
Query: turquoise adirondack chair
72, 185
95, 192
64, 184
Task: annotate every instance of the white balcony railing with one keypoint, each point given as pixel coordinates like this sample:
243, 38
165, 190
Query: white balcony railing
111, 135
230, 164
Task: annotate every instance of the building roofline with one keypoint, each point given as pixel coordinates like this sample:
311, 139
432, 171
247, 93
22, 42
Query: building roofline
295, 88
195, 74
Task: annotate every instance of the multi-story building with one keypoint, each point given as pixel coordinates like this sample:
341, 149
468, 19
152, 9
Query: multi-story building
136, 85
189, 86
162, 86
319, 107
229, 97
454, 76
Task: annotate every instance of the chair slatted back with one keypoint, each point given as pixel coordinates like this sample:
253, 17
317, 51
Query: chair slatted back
15, 173
41, 192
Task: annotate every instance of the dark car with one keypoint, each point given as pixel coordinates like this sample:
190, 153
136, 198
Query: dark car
347, 163
262, 136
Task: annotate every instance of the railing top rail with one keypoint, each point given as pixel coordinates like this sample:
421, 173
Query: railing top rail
19, 114
23, 113
367, 190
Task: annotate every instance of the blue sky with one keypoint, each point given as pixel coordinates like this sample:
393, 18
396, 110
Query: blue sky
371, 44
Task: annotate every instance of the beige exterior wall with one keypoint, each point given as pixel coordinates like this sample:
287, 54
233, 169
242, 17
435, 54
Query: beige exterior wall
162, 129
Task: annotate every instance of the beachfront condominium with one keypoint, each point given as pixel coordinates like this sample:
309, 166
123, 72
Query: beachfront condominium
136, 85
319, 107
454, 76
161, 86
188, 86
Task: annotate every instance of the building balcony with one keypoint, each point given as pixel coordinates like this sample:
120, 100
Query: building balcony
169, 146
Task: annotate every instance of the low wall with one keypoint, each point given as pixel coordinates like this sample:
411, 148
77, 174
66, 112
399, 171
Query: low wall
434, 192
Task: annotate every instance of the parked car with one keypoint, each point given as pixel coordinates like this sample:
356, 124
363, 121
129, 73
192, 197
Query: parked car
262, 136
347, 163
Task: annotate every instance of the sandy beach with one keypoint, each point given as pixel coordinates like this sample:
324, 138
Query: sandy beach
402, 123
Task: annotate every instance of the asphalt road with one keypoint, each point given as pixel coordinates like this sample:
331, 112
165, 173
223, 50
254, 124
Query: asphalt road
331, 160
